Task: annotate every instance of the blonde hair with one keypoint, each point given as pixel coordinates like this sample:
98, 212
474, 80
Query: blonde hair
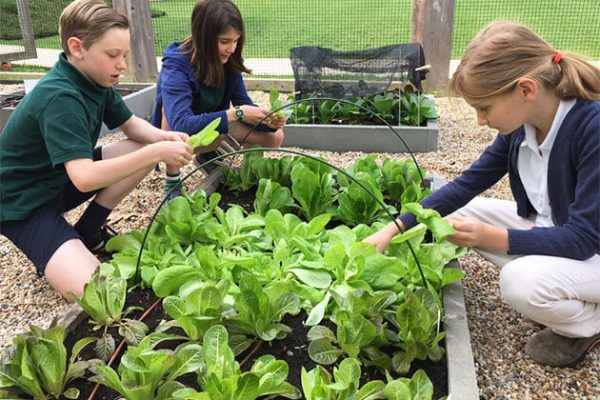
88, 20
504, 52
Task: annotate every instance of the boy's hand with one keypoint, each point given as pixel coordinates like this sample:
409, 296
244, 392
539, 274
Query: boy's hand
175, 153
175, 136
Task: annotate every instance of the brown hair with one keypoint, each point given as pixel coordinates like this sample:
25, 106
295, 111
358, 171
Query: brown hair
88, 20
210, 18
504, 52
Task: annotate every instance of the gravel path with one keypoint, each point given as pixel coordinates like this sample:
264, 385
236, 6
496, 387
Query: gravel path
498, 334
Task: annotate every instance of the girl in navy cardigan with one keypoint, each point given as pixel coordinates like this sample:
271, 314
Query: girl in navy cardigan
545, 105
201, 80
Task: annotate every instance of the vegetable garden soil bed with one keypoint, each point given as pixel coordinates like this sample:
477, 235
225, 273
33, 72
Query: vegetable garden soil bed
292, 350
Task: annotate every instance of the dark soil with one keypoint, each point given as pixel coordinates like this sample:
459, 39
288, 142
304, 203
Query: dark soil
293, 349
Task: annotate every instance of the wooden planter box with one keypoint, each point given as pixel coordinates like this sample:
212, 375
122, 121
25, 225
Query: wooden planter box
139, 97
366, 138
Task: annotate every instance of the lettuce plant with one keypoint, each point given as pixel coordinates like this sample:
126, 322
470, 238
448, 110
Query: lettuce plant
198, 310
319, 384
313, 188
38, 364
418, 321
272, 196
103, 301
145, 373
261, 309
220, 376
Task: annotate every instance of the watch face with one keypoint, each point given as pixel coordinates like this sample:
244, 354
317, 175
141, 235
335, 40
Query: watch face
239, 113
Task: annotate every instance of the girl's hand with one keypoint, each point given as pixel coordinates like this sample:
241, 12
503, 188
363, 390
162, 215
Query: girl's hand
276, 122
381, 238
471, 232
253, 115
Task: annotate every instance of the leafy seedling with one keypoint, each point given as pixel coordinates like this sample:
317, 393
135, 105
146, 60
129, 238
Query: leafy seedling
206, 136
276, 105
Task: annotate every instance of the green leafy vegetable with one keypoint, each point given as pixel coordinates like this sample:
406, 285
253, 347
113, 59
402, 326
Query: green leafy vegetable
206, 136
38, 365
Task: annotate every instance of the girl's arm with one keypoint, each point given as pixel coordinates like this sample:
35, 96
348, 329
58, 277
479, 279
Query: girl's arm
482, 174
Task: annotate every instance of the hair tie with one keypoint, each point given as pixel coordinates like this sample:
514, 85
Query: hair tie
557, 57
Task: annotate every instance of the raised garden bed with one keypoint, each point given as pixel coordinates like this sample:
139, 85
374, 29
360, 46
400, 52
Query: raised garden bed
292, 349
139, 97
358, 124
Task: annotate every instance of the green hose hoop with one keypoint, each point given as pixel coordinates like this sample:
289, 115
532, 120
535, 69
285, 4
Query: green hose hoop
374, 114
282, 150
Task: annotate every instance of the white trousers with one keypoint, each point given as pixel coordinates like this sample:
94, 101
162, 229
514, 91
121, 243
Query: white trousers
560, 293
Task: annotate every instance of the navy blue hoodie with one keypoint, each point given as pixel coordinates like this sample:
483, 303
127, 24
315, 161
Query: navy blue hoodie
177, 87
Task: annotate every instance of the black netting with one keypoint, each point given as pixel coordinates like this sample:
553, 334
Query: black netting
348, 74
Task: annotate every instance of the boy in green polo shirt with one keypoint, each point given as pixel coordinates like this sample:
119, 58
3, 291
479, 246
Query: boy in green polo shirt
48, 160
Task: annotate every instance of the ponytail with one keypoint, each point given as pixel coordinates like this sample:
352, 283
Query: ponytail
579, 78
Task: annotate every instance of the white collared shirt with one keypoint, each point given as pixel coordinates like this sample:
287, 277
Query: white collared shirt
532, 164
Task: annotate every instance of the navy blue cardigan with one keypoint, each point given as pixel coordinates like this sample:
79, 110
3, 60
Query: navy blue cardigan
175, 90
573, 187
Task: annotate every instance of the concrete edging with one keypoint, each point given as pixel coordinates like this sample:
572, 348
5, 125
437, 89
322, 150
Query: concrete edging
462, 377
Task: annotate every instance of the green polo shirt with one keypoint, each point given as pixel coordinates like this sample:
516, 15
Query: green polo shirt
58, 121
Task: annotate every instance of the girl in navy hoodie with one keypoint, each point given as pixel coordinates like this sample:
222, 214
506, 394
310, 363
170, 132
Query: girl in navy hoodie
201, 80
545, 105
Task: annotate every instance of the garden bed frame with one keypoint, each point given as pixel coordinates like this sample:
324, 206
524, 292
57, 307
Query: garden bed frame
366, 138
140, 101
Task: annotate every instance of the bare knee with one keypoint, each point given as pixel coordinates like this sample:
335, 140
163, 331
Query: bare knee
70, 268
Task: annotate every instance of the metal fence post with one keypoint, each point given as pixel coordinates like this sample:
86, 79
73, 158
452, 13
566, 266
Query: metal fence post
432, 26
142, 57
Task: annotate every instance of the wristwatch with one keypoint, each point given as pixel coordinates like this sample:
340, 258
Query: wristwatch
239, 113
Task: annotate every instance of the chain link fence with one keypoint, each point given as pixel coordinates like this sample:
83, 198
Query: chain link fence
273, 27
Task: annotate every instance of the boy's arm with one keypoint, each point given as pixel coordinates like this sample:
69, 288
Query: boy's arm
142, 131
88, 175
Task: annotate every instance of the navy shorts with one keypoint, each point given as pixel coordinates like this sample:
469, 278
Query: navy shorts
45, 229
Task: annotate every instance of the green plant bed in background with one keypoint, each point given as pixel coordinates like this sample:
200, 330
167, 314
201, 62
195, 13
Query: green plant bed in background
359, 124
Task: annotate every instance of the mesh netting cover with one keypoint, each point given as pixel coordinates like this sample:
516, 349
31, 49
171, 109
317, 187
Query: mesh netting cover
348, 74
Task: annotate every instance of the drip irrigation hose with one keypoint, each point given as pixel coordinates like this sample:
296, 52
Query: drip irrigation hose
373, 113
115, 354
256, 347
282, 150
